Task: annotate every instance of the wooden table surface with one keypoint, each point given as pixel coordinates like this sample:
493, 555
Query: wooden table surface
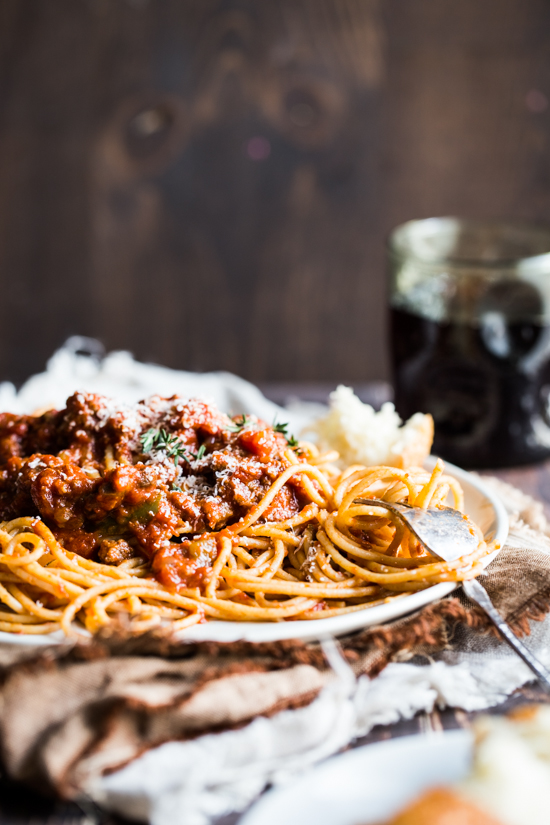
20, 806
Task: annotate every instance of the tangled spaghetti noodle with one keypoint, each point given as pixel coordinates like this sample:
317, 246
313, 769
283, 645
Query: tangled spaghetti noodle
333, 556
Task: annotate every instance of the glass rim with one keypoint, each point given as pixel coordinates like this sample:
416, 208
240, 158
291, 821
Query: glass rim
397, 247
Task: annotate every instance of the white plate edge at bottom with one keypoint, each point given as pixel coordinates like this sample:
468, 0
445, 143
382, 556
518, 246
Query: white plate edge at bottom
431, 759
308, 630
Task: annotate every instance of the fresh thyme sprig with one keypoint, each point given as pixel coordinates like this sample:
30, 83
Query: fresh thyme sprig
283, 429
237, 426
170, 444
149, 439
201, 452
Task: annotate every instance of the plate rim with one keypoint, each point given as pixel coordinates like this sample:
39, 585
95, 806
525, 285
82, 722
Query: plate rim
451, 739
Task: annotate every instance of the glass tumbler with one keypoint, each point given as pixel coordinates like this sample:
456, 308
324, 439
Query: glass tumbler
470, 336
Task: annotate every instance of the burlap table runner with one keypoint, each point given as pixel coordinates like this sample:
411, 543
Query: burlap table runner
69, 714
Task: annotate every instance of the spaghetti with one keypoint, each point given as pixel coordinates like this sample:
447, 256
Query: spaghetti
330, 555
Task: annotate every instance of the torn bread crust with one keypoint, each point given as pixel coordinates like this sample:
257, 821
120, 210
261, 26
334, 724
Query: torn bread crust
415, 453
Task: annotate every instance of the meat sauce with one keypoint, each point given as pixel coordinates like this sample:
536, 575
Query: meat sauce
109, 493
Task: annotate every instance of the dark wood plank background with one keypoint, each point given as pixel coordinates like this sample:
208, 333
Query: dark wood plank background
209, 182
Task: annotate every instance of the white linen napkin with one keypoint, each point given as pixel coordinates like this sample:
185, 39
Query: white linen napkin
118, 375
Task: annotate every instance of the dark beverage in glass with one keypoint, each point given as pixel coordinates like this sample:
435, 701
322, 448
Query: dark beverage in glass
470, 333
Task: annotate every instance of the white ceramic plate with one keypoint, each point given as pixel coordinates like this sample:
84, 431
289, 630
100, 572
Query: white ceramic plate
480, 503
369, 784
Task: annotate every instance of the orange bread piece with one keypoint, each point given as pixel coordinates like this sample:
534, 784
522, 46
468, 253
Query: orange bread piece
441, 806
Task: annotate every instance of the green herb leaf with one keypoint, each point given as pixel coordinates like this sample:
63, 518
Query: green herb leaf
283, 429
176, 488
201, 452
148, 440
162, 440
237, 426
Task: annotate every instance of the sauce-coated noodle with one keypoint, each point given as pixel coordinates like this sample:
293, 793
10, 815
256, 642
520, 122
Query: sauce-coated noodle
335, 556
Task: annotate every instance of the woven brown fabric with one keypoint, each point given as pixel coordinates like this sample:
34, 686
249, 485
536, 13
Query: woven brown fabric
518, 582
94, 707
69, 712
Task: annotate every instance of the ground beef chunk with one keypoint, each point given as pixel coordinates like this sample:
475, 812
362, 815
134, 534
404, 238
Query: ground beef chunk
59, 493
16, 479
115, 551
27, 434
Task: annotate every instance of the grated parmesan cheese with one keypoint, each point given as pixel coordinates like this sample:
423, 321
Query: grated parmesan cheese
196, 484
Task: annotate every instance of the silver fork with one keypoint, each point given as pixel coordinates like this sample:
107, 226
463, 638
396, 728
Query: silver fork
448, 536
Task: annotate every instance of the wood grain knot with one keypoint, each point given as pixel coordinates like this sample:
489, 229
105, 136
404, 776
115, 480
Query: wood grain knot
308, 111
146, 133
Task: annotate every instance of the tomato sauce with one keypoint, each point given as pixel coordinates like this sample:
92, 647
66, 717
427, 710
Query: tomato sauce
156, 480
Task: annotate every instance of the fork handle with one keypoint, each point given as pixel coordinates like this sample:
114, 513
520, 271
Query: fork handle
477, 593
